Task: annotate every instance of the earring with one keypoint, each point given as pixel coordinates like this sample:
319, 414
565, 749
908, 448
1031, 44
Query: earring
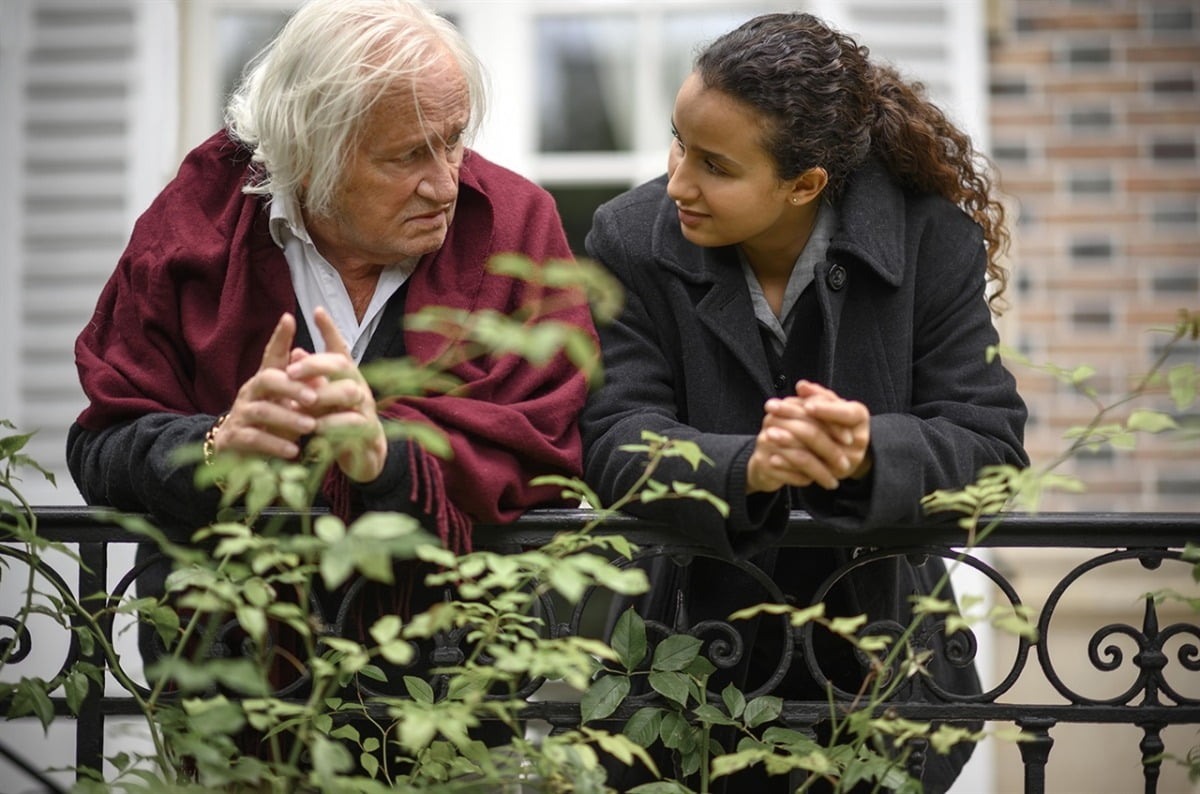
796, 201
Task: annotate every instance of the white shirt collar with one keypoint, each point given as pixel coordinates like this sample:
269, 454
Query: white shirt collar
803, 272
317, 283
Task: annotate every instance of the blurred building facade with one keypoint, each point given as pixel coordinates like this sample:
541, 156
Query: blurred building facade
1094, 122
1088, 107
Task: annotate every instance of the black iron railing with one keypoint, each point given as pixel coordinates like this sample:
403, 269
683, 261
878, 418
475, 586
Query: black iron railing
1158, 659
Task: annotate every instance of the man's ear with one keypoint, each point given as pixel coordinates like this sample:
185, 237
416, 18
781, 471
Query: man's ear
808, 186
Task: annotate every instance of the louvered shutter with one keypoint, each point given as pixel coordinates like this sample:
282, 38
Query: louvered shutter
938, 42
72, 217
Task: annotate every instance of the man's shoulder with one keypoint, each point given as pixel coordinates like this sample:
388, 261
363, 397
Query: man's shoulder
198, 214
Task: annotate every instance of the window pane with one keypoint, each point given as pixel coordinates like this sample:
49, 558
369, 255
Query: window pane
685, 34
240, 35
585, 74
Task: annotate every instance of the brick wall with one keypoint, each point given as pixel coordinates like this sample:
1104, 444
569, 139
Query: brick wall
1095, 112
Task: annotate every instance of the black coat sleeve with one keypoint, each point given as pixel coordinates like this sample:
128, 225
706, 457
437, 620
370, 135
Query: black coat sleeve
132, 467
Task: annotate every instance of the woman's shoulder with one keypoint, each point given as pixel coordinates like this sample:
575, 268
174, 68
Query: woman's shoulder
639, 205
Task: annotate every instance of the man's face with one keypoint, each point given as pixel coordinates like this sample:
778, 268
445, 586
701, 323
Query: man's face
399, 191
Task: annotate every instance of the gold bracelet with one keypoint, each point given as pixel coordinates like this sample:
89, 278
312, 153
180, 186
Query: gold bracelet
210, 439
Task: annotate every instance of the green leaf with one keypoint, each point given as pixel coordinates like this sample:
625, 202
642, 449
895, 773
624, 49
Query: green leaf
603, 697
764, 709
1150, 421
644, 725
675, 731
254, 621
165, 621
675, 652
397, 652
239, 675
671, 685
688, 450
386, 629
329, 528
567, 580
761, 609
1080, 374
10, 445
1182, 383
572, 488
75, 686
847, 627
619, 747
661, 787
735, 701
212, 716
629, 639
31, 697
346, 731
329, 759
373, 672
418, 689
709, 714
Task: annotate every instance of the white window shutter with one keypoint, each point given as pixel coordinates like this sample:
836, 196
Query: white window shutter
941, 43
72, 211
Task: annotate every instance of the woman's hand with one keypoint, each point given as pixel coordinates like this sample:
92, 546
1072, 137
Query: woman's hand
814, 437
344, 407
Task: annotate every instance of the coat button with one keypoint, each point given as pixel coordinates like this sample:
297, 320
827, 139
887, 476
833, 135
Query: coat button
780, 382
836, 278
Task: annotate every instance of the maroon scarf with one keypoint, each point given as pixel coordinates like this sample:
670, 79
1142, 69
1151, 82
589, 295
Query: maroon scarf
183, 320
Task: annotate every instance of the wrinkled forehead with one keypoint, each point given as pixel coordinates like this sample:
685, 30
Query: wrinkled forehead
436, 94
430, 107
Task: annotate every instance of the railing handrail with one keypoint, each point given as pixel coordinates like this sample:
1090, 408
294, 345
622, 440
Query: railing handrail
1150, 538
1084, 530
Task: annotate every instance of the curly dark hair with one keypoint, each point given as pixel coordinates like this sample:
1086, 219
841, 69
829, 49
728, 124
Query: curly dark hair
828, 105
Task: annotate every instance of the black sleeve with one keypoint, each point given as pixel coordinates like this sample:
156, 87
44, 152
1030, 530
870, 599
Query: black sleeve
131, 467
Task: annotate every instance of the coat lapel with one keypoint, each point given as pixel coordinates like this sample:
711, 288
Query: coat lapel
726, 310
830, 301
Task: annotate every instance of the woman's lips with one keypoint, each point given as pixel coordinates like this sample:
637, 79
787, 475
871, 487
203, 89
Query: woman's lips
689, 218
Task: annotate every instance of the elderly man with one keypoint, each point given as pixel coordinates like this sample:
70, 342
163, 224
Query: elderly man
339, 198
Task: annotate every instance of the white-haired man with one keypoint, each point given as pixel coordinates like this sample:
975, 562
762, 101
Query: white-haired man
339, 197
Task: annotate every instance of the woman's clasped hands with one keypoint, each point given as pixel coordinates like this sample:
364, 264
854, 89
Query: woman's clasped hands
815, 437
295, 393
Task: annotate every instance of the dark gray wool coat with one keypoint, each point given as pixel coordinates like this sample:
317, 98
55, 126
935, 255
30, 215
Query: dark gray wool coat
903, 327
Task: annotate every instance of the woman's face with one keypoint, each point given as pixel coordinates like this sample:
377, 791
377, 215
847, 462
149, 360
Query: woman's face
720, 177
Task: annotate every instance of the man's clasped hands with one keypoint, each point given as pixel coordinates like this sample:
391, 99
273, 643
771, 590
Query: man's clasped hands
295, 394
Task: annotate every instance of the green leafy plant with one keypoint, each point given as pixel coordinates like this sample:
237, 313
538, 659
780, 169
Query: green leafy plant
356, 715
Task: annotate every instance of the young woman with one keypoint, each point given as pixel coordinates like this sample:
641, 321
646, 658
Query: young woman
808, 300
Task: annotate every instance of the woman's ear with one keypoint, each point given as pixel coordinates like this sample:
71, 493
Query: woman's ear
808, 186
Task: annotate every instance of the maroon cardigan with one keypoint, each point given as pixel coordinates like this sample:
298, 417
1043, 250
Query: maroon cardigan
183, 320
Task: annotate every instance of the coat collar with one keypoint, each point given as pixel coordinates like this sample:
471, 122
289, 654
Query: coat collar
870, 239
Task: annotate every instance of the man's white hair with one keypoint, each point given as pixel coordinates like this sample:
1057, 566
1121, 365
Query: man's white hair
302, 102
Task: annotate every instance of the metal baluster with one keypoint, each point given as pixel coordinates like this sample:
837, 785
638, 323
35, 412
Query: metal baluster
1152, 747
1035, 752
89, 727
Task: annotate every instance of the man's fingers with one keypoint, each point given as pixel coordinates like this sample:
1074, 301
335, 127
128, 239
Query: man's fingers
329, 332
275, 354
